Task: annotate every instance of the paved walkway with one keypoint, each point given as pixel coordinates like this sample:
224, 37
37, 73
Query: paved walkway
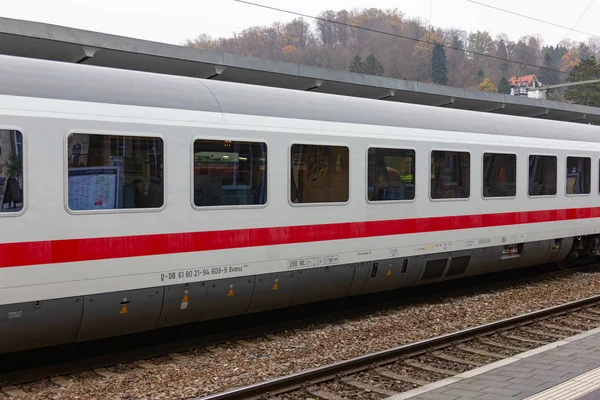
567, 369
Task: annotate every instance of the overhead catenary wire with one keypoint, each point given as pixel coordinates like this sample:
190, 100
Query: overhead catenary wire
397, 35
533, 18
572, 28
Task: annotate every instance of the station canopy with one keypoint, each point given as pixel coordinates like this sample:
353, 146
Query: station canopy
52, 42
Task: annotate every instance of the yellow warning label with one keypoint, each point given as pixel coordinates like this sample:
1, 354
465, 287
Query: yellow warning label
230, 293
389, 273
184, 302
276, 286
123, 309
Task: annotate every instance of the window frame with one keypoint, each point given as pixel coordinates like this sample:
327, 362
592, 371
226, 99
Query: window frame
232, 138
111, 133
565, 175
289, 171
516, 176
388, 147
25, 145
543, 196
431, 150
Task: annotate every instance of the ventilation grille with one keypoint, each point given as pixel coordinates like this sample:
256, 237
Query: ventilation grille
434, 269
458, 265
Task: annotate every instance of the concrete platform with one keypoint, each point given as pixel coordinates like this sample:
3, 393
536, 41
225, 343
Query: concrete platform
564, 370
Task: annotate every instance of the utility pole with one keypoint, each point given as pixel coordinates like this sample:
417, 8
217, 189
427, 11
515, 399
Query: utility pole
544, 89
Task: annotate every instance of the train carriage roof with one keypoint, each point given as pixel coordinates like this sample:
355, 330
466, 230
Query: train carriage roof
64, 81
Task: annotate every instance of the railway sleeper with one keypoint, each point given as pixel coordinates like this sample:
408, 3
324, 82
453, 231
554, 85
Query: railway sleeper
585, 315
425, 367
323, 394
524, 339
364, 386
472, 350
402, 378
561, 328
502, 345
544, 334
456, 360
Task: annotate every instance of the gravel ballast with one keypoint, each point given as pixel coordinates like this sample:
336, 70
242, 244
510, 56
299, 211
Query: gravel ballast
202, 372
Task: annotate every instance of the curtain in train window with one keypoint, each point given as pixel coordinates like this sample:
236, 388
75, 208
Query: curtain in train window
319, 174
391, 174
109, 172
11, 171
450, 175
578, 175
542, 175
499, 175
229, 173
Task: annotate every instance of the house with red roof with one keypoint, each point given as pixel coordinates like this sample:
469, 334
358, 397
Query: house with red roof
527, 85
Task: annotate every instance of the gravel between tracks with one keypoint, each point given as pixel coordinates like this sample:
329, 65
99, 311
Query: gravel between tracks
231, 365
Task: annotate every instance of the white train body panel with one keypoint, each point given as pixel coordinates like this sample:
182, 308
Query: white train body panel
45, 124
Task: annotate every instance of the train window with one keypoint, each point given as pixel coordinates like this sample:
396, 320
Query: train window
499, 175
391, 174
111, 172
320, 174
450, 175
229, 173
579, 170
11, 171
542, 175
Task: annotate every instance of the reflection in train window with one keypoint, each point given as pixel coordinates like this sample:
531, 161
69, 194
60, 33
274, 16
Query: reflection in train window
320, 174
11, 171
229, 173
391, 174
499, 175
542, 175
578, 175
110, 172
450, 175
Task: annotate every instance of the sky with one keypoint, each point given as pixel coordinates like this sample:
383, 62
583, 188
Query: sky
175, 21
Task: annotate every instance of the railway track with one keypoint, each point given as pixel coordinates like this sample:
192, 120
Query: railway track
399, 369
65, 360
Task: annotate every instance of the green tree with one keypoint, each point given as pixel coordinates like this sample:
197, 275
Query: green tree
585, 94
439, 71
552, 63
357, 65
373, 66
501, 52
504, 86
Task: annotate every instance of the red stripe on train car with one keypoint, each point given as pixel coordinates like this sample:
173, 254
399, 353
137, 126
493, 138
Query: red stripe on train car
72, 250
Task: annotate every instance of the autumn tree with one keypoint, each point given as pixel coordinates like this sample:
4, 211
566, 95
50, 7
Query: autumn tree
589, 94
486, 85
504, 86
422, 55
480, 45
569, 60
439, 71
326, 29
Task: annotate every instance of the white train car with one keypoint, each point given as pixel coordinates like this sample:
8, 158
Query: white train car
132, 201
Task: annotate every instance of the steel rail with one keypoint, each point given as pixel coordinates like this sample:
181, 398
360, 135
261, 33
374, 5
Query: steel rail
326, 372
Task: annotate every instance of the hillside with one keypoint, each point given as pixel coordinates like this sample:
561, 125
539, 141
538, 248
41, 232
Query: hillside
470, 60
